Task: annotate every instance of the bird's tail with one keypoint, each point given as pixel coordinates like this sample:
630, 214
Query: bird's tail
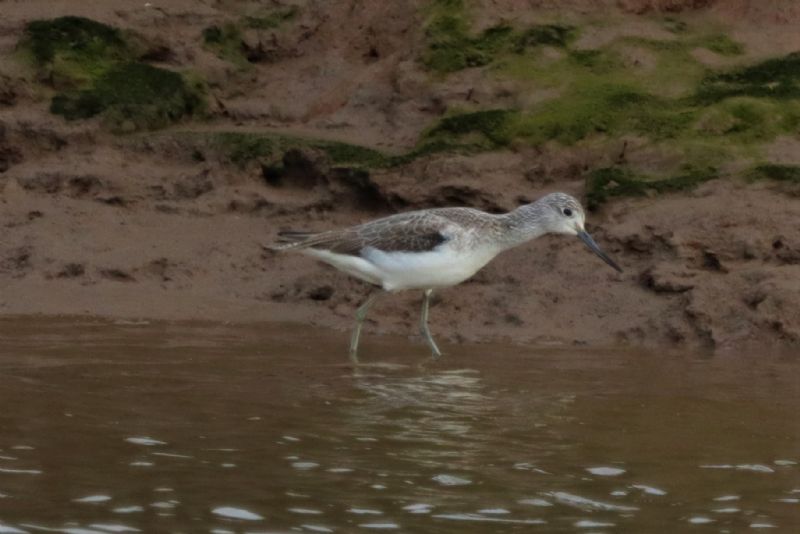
291, 239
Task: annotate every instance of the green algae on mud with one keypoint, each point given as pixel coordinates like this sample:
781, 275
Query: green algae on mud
780, 173
609, 109
76, 37
600, 92
94, 69
591, 93
452, 47
268, 148
74, 50
241, 148
607, 182
775, 78
227, 40
671, 101
721, 44
594, 91
133, 96
491, 126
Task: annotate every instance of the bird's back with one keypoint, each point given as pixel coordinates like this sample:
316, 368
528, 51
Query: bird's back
413, 231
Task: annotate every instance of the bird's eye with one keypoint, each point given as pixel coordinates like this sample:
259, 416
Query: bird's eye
567, 212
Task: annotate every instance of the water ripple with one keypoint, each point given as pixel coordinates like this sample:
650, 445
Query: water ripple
236, 513
586, 504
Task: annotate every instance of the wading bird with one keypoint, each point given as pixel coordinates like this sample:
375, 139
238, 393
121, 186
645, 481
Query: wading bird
434, 248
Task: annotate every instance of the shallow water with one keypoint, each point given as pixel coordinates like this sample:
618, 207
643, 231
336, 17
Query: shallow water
165, 428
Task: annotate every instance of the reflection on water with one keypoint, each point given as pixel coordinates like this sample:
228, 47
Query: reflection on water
137, 428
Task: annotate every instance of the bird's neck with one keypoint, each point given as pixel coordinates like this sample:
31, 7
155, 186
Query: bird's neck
523, 224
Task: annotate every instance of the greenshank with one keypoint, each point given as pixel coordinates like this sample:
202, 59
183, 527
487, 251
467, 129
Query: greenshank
435, 248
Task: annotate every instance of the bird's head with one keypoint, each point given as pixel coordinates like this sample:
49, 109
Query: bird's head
563, 214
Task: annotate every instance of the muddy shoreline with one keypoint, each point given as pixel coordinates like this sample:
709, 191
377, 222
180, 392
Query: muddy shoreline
327, 129
696, 283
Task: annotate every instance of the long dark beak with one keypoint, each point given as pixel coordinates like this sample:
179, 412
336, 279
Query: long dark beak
586, 238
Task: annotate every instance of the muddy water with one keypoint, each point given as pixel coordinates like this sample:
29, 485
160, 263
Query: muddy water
158, 428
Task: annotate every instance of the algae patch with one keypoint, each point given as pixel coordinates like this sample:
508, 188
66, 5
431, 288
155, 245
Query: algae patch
780, 173
133, 96
490, 128
228, 40
721, 44
94, 70
656, 90
74, 49
607, 182
268, 149
632, 85
451, 46
75, 37
777, 78
606, 109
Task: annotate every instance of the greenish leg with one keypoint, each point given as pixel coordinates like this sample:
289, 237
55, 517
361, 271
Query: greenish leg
361, 314
423, 324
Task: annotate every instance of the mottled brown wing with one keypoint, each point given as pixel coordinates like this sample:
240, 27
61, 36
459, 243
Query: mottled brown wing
405, 232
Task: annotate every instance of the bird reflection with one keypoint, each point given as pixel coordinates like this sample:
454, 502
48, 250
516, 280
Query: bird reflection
430, 418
